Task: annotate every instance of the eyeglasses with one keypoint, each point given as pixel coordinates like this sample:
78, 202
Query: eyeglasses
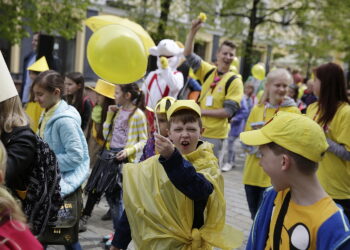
166, 56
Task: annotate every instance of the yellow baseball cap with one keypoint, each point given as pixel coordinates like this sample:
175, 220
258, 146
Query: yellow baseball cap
183, 104
164, 104
294, 132
104, 88
40, 65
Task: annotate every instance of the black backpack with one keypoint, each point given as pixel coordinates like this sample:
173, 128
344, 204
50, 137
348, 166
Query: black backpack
43, 198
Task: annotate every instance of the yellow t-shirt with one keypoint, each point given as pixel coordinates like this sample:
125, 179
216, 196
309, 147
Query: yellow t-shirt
334, 172
45, 118
253, 174
301, 223
217, 128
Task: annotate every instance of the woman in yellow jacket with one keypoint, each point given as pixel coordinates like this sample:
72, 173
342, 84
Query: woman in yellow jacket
273, 100
332, 112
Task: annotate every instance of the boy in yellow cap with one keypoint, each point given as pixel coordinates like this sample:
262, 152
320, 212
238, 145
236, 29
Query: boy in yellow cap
297, 213
175, 200
160, 110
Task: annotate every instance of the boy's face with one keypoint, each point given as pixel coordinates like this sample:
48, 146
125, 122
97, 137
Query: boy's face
163, 124
272, 165
185, 136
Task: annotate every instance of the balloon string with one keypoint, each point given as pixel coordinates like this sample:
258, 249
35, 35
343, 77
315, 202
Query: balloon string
155, 113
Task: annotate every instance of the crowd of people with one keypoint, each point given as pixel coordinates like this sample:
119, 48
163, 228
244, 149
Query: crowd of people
154, 156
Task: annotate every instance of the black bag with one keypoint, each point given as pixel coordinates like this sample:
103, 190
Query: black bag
43, 198
66, 229
106, 176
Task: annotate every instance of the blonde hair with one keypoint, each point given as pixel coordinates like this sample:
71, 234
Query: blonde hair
12, 115
8, 204
272, 75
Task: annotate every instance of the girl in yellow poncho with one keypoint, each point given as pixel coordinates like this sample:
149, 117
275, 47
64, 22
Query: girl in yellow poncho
175, 200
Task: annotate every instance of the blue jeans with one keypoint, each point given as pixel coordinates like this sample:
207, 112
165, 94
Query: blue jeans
254, 196
217, 145
115, 202
74, 246
230, 154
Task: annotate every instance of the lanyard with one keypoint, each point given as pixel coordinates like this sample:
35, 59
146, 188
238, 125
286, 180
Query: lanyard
265, 109
215, 81
212, 86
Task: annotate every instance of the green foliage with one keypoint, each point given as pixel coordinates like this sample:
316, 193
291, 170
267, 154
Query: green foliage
148, 14
63, 17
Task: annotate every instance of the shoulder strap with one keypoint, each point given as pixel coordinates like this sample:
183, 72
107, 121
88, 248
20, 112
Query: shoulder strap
109, 132
86, 98
229, 81
207, 75
279, 222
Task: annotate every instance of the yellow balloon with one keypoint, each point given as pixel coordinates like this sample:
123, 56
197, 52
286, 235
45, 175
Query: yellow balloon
97, 22
235, 62
258, 71
116, 54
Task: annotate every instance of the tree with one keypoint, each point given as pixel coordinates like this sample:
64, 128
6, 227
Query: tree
324, 35
256, 13
168, 18
63, 17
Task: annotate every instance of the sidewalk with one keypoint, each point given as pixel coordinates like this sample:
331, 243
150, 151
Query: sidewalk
237, 213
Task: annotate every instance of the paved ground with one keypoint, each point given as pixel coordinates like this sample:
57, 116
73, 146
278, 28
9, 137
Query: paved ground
237, 210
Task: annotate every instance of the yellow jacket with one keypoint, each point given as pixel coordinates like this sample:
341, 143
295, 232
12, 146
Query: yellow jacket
161, 217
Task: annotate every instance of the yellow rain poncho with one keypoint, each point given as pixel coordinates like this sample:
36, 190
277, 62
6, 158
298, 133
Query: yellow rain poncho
161, 217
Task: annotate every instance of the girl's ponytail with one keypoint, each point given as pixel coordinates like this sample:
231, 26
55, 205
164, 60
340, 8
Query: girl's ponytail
137, 96
140, 102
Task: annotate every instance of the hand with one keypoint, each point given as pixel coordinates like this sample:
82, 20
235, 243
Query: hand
202, 16
196, 25
164, 146
164, 62
113, 108
121, 155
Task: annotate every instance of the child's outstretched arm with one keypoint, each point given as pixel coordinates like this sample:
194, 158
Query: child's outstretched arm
181, 172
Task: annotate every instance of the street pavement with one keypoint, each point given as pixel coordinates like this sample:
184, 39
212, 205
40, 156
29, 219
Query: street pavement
237, 212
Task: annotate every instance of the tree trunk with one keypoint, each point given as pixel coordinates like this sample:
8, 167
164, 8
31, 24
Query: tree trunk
248, 49
163, 20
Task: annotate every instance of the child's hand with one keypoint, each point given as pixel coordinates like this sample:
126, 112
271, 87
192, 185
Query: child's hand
164, 146
164, 62
112, 108
196, 25
121, 155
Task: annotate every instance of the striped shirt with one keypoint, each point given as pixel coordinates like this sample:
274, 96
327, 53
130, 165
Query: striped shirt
137, 132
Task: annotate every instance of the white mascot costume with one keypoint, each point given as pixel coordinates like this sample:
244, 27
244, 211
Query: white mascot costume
166, 80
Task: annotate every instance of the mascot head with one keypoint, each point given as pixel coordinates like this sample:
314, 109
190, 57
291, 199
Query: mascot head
169, 49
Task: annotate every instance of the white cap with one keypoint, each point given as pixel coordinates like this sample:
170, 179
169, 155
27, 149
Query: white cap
166, 47
8, 88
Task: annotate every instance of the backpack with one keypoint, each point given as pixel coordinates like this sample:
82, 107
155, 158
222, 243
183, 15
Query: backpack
86, 98
43, 198
227, 84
